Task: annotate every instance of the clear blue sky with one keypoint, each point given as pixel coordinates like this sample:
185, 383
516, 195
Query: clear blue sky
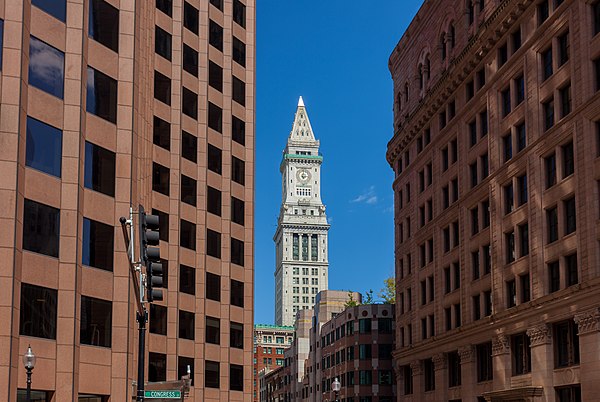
335, 54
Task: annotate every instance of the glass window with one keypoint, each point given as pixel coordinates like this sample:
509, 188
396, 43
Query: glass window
239, 91
163, 224
190, 17
190, 60
566, 344
237, 170
565, 100
183, 363
158, 319
186, 325
236, 377
36, 396
213, 330
547, 68
211, 376
570, 215
101, 95
217, 3
214, 159
44, 147
213, 287
552, 223
215, 117
237, 293
215, 35
162, 43
364, 325
162, 88
553, 276
46, 67
521, 354
215, 76
189, 105
238, 130
213, 202
38, 311
237, 252
189, 146
157, 367
568, 159
41, 228
98, 245
239, 52
484, 362
213, 243
236, 335
550, 165
187, 279
166, 6
563, 48
239, 13
237, 211
104, 24
160, 178
56, 8
96, 322
548, 108
161, 133
99, 172
187, 237
188, 190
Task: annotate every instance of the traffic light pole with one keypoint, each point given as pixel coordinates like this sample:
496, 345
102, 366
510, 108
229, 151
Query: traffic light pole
141, 319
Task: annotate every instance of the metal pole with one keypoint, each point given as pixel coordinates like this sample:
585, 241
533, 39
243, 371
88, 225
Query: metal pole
28, 396
141, 319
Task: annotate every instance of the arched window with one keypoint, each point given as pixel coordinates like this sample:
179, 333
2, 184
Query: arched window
421, 77
471, 11
406, 92
452, 36
443, 45
427, 68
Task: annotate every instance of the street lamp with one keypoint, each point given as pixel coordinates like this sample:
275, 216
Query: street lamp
29, 363
336, 388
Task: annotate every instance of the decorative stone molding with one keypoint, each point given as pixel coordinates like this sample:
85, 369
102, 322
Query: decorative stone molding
466, 353
539, 335
439, 361
417, 367
500, 345
588, 321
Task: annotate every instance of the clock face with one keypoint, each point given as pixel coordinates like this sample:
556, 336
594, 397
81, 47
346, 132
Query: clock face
303, 175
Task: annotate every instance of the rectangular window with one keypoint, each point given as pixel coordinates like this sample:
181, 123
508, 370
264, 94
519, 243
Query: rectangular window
46, 67
239, 91
553, 276
99, 169
473, 132
96, 322
187, 236
522, 193
237, 252
190, 60
521, 354
236, 377
552, 224
565, 100
104, 23
211, 376
506, 106
571, 270
454, 369
511, 293
484, 362
160, 179
101, 95
476, 307
408, 380
38, 311
365, 377
187, 279
189, 146
568, 159
213, 287
547, 69
364, 325
157, 367
596, 17
523, 239
571, 393
550, 165
56, 8
548, 108
543, 11
215, 35
525, 288
214, 159
215, 117
236, 335
238, 170
485, 207
473, 174
43, 147
483, 123
98, 245
239, 13
521, 137
190, 17
475, 264
213, 330
596, 62
566, 344
215, 76
213, 243
474, 221
158, 319
239, 52
429, 375
189, 105
166, 6
570, 215
507, 147
509, 199
161, 133
509, 240
502, 55
237, 211
563, 48
162, 88
238, 130
516, 40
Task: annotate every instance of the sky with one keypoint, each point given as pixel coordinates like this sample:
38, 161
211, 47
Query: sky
333, 53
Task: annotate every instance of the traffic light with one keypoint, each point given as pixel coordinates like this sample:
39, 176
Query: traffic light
150, 256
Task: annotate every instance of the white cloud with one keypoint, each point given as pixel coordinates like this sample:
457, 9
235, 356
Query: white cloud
367, 197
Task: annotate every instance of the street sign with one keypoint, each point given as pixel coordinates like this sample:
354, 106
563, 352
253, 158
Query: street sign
172, 394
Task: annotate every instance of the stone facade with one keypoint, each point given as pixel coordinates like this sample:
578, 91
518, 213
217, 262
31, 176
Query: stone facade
96, 112
270, 343
301, 238
495, 148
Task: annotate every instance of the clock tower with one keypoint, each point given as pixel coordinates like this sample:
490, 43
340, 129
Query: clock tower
301, 236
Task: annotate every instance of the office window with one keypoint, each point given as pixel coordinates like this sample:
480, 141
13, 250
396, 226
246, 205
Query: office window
475, 264
239, 52
237, 293
570, 215
218, 4
568, 159
189, 146
237, 211
547, 69
238, 130
511, 293
364, 325
473, 174
571, 393
213, 243
215, 117
480, 78
104, 24
160, 178
509, 199
548, 109
101, 95
162, 88
96, 322
484, 362
239, 13
473, 132
510, 246
186, 325
483, 122
99, 172
187, 279
213, 200
188, 190
46, 67
43, 147
553, 276
187, 235
236, 377
56, 8
429, 375
236, 338
566, 344
502, 55
550, 167
157, 367
485, 166
516, 40
211, 376
522, 193
521, 137
507, 147
239, 91
38, 311
190, 17
213, 330
552, 224
364, 352
161, 133
238, 170
543, 11
213, 287
215, 35
365, 377
98, 245
185, 364
565, 100
189, 104
158, 319
572, 275
190, 60
408, 380
166, 6
596, 63
215, 76
524, 239
237, 252
454, 369
521, 354
214, 160
525, 288
506, 106
563, 48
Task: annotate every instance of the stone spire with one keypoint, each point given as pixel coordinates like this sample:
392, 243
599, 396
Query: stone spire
302, 133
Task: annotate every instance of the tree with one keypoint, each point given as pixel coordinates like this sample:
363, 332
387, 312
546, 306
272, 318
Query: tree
351, 302
368, 299
388, 292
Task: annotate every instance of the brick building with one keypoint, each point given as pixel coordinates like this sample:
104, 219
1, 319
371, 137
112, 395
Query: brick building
495, 148
270, 343
106, 104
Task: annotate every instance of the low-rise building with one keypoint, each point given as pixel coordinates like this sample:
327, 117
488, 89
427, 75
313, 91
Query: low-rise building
270, 342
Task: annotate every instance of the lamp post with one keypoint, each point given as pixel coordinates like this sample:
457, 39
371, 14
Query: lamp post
336, 388
29, 363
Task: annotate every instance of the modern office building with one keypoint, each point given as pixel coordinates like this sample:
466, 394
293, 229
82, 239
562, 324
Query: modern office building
495, 148
301, 238
106, 104
270, 343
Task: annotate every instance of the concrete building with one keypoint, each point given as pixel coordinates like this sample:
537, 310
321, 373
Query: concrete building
495, 149
272, 385
301, 238
106, 104
270, 342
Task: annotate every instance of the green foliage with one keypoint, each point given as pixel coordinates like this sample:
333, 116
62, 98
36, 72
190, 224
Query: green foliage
351, 302
388, 292
368, 297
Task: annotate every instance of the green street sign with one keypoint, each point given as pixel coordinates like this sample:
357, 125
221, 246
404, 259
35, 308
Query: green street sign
162, 394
